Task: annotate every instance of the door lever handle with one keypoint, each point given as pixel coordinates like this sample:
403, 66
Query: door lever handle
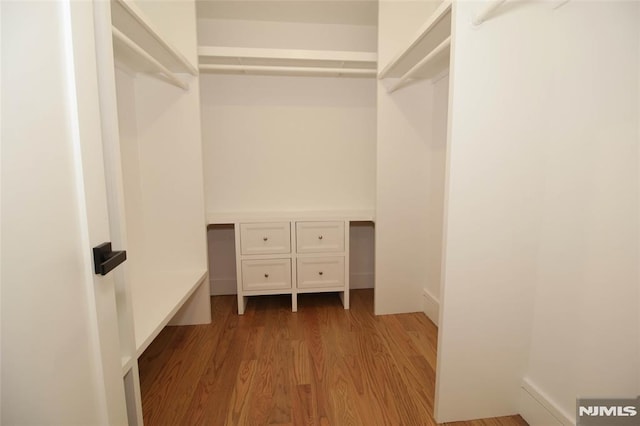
105, 259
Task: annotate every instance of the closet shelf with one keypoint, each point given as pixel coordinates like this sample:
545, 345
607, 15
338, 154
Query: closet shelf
237, 60
157, 298
140, 47
427, 53
221, 218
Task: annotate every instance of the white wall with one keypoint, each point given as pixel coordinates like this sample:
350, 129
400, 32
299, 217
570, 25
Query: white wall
585, 324
222, 259
286, 35
162, 172
407, 123
361, 255
288, 143
541, 250
50, 359
171, 169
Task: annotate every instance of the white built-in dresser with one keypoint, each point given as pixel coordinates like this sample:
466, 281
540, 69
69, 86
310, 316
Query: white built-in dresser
291, 253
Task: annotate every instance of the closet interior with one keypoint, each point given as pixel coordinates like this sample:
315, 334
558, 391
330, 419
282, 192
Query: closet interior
288, 125
288, 112
311, 122
314, 126
472, 160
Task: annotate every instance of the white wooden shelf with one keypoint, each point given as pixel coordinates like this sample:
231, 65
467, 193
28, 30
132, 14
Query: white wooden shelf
238, 60
222, 218
427, 53
157, 299
140, 47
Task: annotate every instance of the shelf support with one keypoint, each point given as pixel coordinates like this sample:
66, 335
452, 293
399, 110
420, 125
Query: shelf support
118, 35
409, 74
491, 7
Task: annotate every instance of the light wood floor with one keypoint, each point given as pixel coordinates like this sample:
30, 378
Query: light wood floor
320, 366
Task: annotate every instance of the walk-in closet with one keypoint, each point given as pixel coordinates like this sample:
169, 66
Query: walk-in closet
319, 212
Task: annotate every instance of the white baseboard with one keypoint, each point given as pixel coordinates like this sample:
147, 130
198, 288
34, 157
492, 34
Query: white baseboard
538, 409
221, 287
358, 281
430, 306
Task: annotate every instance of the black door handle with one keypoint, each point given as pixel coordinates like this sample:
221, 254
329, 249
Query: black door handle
105, 259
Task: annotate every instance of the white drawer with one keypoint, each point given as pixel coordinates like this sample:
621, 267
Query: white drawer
271, 274
265, 238
320, 272
320, 237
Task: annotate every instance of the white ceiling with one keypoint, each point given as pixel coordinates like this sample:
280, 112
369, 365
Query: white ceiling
345, 12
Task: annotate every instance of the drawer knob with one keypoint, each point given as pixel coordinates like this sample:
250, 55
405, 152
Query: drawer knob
264, 238
266, 275
320, 273
320, 237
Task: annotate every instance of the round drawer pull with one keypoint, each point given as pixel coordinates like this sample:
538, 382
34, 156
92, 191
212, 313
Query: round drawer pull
266, 275
320, 273
264, 238
320, 237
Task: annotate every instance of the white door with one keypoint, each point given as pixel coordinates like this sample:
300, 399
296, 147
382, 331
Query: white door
61, 360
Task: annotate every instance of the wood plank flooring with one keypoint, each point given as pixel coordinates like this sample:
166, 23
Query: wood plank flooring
320, 366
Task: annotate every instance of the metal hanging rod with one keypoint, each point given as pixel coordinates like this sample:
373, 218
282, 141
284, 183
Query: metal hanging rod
289, 70
491, 7
414, 70
166, 73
